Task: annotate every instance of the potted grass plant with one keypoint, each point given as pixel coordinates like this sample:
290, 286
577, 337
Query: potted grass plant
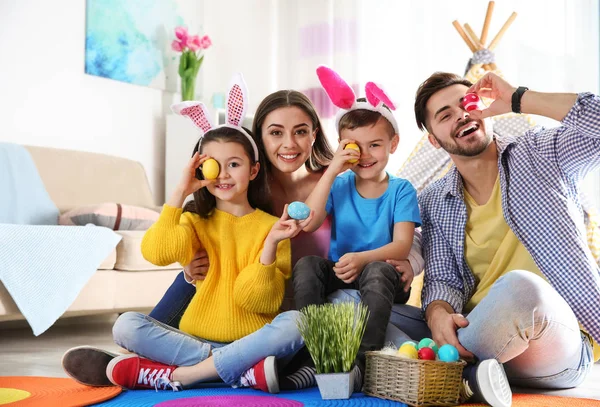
332, 334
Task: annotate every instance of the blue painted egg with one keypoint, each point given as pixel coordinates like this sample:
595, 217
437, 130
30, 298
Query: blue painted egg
298, 210
448, 353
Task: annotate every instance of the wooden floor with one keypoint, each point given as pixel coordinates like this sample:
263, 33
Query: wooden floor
23, 354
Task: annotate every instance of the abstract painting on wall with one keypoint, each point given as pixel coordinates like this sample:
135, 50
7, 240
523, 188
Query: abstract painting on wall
129, 41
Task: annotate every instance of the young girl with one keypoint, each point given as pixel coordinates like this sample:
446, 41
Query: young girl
232, 322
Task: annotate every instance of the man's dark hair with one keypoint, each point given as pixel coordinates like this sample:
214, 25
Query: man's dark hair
434, 83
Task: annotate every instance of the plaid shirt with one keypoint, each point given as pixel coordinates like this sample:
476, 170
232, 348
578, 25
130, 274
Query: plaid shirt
539, 181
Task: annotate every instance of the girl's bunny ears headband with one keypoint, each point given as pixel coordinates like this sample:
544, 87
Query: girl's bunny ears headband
237, 105
342, 96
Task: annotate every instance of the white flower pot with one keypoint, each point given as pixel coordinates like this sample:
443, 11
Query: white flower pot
335, 385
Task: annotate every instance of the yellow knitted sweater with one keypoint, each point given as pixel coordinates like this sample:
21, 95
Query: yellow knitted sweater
239, 294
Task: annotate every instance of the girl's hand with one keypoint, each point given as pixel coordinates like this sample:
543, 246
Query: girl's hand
189, 183
287, 228
340, 163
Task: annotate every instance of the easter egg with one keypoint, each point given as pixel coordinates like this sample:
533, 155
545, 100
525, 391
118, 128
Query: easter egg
210, 169
298, 210
411, 343
353, 146
426, 354
448, 353
470, 101
427, 343
408, 351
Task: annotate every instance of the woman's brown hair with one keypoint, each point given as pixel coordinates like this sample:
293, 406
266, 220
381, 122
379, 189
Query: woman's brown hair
322, 153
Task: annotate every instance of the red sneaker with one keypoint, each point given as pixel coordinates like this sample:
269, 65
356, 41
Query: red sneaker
262, 376
134, 372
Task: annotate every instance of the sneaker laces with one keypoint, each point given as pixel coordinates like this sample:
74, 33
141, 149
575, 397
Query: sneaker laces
248, 378
163, 383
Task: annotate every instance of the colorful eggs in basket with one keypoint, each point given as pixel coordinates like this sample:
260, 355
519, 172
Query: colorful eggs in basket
210, 169
426, 354
448, 353
353, 146
298, 210
470, 101
408, 351
427, 343
411, 343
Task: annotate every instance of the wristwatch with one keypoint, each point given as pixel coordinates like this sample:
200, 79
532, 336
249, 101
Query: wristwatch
516, 98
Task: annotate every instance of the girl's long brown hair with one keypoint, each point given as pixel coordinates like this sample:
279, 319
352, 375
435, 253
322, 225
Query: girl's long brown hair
258, 191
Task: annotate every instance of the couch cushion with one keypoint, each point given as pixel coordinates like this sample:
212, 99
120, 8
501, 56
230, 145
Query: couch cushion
129, 253
78, 178
109, 262
111, 215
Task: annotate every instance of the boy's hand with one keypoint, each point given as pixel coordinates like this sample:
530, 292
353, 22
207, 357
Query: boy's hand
407, 274
349, 267
287, 228
340, 163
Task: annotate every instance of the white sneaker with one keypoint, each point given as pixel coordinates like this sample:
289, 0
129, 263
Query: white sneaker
487, 382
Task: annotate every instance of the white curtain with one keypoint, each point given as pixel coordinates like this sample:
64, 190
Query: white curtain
553, 45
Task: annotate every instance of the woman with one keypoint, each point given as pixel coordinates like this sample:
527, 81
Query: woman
289, 131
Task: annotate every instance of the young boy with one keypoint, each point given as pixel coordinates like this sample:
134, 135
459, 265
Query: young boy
373, 214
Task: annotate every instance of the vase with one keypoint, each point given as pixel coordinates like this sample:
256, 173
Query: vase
335, 386
188, 88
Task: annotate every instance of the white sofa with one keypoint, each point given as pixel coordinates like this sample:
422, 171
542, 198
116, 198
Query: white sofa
125, 281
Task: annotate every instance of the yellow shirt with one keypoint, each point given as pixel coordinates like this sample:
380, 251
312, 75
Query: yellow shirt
492, 249
239, 294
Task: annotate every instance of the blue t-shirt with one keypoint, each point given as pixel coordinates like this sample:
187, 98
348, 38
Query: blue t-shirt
360, 224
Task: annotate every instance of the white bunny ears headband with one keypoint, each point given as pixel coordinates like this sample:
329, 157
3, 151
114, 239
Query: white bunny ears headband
236, 107
342, 96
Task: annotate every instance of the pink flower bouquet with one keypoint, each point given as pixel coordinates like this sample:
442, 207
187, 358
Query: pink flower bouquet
191, 48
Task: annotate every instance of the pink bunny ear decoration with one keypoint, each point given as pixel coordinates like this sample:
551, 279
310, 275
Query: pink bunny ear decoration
340, 93
197, 113
237, 101
375, 95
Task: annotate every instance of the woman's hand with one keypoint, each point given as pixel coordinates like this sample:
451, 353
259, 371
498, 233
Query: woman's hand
198, 267
405, 270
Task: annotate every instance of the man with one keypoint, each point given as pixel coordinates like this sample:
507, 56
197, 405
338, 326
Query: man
503, 236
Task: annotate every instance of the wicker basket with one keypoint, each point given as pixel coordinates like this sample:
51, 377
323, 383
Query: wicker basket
412, 381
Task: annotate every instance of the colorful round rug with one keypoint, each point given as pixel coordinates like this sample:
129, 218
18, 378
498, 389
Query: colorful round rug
30, 391
238, 401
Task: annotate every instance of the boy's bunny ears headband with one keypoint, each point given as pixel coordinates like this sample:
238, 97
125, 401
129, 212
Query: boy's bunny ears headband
237, 104
342, 95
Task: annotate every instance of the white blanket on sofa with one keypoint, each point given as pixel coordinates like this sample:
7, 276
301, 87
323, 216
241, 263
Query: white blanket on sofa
43, 266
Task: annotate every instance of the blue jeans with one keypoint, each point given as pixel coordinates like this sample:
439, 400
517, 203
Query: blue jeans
526, 325
151, 339
403, 319
172, 305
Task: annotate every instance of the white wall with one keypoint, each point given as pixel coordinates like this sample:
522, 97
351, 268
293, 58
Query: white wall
46, 98
242, 34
